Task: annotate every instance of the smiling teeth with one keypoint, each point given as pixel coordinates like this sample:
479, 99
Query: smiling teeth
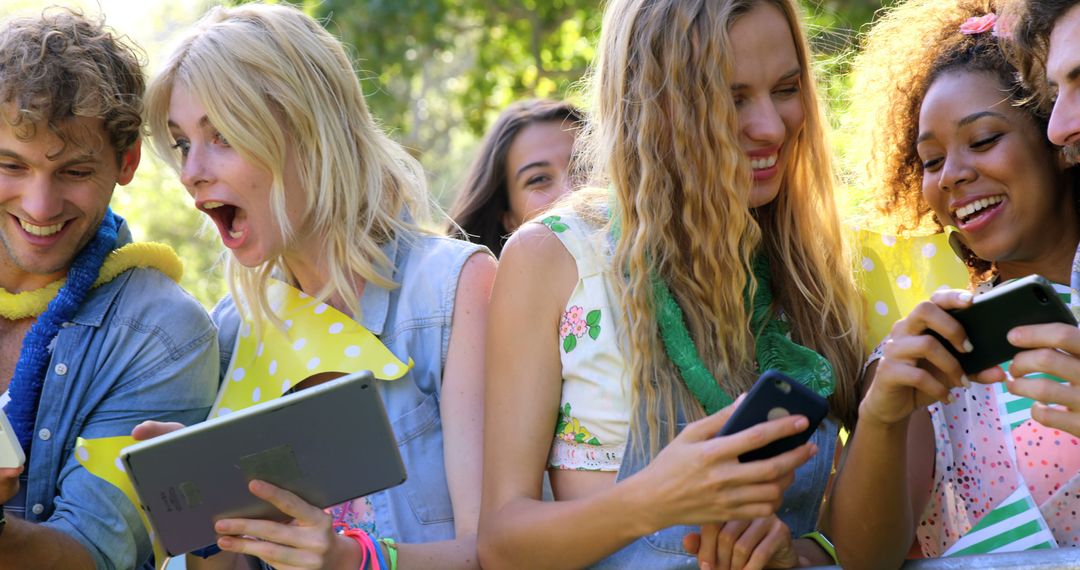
964, 212
212, 205
763, 163
41, 231
235, 235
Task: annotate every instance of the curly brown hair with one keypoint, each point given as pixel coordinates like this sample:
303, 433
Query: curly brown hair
910, 46
1034, 21
63, 65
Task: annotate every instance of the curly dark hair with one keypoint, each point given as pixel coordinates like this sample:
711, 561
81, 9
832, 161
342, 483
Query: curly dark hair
63, 65
910, 46
1034, 21
482, 199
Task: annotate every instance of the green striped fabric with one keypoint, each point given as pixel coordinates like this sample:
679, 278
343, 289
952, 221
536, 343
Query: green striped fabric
1013, 526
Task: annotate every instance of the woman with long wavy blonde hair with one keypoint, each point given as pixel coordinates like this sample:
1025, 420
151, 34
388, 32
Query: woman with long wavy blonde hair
712, 253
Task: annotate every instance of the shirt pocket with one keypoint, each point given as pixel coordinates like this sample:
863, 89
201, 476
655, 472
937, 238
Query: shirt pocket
420, 441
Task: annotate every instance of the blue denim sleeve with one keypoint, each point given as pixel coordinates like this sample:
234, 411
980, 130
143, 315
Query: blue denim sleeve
227, 319
159, 361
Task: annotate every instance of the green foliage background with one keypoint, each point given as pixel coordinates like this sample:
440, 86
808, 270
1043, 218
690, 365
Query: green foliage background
436, 72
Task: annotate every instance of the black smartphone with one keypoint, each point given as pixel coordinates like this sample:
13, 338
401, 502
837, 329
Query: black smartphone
775, 395
1028, 301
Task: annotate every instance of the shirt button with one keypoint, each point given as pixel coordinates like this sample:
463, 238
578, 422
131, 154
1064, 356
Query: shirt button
37, 509
60, 369
44, 434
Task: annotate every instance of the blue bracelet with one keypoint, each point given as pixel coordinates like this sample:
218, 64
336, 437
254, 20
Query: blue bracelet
379, 554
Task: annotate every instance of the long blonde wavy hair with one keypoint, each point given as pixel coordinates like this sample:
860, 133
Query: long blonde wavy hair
665, 136
269, 77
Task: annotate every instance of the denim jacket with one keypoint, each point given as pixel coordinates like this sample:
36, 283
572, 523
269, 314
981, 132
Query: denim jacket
802, 500
139, 348
413, 321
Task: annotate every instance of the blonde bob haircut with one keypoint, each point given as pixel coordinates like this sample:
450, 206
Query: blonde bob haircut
665, 137
282, 90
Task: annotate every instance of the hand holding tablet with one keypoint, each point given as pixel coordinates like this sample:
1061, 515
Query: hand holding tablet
326, 444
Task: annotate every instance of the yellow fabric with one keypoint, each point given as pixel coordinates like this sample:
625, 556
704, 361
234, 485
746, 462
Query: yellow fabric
15, 306
101, 457
317, 338
896, 274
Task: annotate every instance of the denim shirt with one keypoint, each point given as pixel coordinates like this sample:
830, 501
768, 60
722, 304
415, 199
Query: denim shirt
413, 321
799, 510
139, 348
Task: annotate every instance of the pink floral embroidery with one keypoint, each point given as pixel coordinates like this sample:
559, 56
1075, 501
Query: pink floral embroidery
978, 24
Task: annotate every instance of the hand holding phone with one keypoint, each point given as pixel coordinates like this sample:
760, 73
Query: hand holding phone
1028, 301
11, 453
775, 395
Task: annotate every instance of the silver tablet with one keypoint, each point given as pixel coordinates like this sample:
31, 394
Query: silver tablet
328, 444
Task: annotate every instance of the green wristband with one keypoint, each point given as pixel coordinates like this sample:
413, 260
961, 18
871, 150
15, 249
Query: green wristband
825, 544
391, 551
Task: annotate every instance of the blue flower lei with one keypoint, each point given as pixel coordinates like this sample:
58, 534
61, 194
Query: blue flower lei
31, 369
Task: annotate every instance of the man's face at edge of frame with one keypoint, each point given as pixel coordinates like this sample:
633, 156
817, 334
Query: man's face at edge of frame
1063, 78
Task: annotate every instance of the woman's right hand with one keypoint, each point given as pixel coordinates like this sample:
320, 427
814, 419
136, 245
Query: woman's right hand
698, 478
916, 369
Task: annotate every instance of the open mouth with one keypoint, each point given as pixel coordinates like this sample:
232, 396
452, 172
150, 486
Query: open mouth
972, 212
226, 216
40, 231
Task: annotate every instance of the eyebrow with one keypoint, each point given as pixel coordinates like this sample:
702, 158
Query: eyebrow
204, 122
536, 164
77, 159
790, 74
965, 122
1073, 74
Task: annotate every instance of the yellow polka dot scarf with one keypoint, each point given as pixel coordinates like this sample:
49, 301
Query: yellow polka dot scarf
315, 338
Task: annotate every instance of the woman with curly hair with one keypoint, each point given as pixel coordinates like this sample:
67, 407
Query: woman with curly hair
523, 165
962, 465
623, 324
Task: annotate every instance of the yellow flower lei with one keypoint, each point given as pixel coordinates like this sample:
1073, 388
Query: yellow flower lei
16, 306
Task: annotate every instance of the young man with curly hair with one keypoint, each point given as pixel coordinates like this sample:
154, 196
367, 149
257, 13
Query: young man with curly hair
94, 335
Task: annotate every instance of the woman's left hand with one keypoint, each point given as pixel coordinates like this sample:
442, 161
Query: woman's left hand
1052, 349
744, 544
309, 541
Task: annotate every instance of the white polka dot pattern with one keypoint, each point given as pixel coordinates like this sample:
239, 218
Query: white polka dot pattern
898, 273
316, 338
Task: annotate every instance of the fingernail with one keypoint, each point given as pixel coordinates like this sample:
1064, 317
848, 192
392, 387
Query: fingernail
968, 347
965, 296
1013, 336
802, 423
949, 399
964, 381
706, 566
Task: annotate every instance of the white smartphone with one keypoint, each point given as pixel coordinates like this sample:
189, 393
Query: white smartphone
11, 453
